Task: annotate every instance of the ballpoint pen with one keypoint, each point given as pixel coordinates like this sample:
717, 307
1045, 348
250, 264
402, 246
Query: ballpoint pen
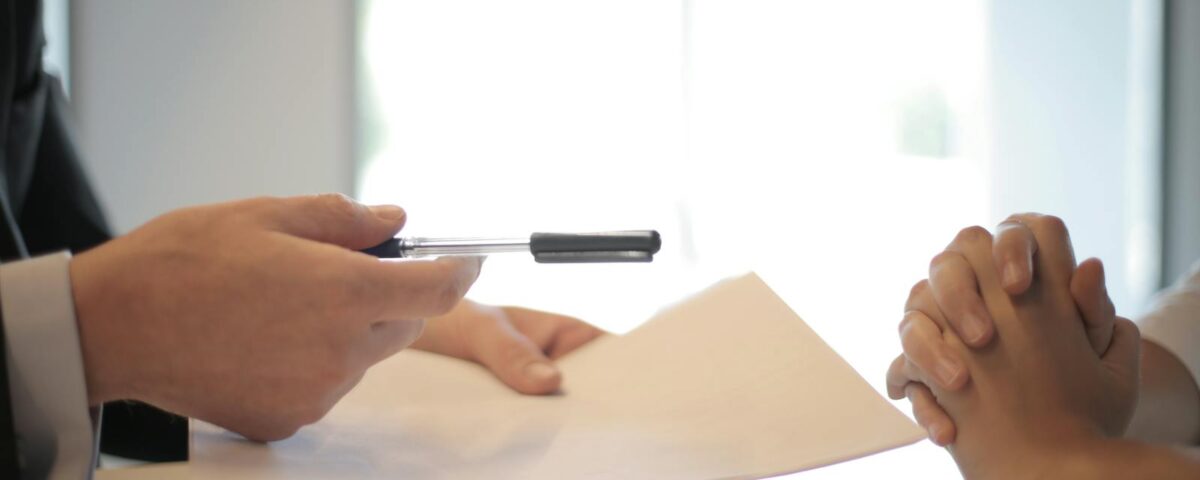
602, 247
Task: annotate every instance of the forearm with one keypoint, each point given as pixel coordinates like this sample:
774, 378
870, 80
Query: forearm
1120, 459
1168, 409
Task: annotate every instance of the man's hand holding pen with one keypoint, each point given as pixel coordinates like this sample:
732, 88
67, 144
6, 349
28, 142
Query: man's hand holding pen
259, 315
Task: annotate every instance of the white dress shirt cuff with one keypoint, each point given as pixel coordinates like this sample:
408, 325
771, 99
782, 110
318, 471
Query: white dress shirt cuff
55, 434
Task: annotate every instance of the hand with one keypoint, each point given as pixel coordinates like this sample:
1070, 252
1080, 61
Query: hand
1039, 389
1014, 252
951, 296
516, 344
257, 315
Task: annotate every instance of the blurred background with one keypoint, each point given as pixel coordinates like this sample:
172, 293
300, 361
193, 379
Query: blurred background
833, 147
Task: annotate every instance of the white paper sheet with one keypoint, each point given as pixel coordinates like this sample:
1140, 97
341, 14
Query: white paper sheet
728, 384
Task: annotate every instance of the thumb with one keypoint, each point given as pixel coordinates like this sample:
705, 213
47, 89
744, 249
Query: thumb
337, 219
514, 358
1124, 352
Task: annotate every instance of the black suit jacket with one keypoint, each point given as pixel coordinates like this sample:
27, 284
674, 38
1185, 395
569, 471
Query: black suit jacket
47, 205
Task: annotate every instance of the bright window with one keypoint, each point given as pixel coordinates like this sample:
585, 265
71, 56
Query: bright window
834, 147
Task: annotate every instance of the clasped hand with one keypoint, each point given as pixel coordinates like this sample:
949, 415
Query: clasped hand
1011, 350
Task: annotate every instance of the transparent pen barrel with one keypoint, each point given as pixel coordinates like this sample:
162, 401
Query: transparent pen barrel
439, 247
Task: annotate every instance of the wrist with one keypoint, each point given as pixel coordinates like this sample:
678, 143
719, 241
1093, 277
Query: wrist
99, 335
1057, 447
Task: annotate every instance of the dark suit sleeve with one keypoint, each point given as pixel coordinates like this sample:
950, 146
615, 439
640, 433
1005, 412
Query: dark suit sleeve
9, 466
60, 209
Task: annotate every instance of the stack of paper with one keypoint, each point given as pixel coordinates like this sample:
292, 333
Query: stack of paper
728, 384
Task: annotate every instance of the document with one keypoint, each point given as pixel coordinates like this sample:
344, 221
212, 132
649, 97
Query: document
727, 384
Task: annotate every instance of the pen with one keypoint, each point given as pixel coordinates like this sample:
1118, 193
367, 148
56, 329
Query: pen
602, 247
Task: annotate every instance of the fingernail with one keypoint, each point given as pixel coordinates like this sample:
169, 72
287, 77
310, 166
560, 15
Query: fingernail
388, 212
948, 371
540, 372
1011, 272
974, 329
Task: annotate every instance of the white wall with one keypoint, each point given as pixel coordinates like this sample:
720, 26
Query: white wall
183, 102
1074, 92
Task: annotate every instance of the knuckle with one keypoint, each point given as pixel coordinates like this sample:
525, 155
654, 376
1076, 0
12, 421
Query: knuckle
918, 288
952, 279
339, 204
910, 338
912, 345
920, 294
1021, 218
1011, 235
906, 323
943, 258
973, 234
914, 318
1052, 225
